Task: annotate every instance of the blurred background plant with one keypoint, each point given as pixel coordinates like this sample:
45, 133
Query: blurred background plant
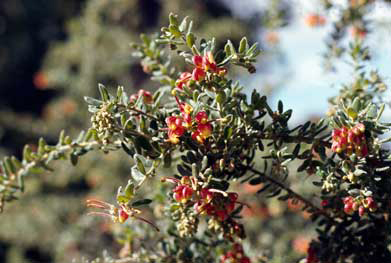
53, 54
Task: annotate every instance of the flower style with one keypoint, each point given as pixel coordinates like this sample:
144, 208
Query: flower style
117, 214
184, 79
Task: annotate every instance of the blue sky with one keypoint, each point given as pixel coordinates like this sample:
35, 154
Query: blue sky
304, 85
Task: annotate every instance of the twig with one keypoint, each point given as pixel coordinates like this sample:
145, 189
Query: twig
293, 193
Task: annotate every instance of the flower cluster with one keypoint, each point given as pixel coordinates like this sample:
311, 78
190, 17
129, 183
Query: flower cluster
315, 20
215, 204
235, 256
205, 201
350, 140
203, 65
146, 95
359, 203
203, 127
200, 127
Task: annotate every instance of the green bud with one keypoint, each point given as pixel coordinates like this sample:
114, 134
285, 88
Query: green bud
227, 50
173, 20
174, 30
190, 39
243, 45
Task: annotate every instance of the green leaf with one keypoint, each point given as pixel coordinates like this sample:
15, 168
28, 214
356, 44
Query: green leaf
256, 181
140, 165
280, 107
243, 45
129, 189
304, 165
74, 158
103, 93
137, 175
142, 202
93, 101
143, 142
228, 132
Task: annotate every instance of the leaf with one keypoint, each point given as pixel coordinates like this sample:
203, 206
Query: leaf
142, 202
93, 101
183, 171
137, 175
256, 181
74, 159
153, 125
304, 165
139, 163
296, 150
280, 107
228, 132
143, 142
103, 93
129, 189
127, 149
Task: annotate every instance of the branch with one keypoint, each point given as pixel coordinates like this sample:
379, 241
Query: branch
297, 196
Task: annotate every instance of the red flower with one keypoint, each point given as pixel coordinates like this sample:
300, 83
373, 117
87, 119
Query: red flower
201, 117
235, 255
184, 79
147, 96
311, 255
122, 216
175, 129
198, 74
205, 130
350, 140
198, 61
183, 193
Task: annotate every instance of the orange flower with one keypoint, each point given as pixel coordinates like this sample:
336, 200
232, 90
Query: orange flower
357, 32
314, 20
272, 38
41, 81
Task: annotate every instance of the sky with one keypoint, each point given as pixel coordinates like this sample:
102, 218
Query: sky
303, 84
